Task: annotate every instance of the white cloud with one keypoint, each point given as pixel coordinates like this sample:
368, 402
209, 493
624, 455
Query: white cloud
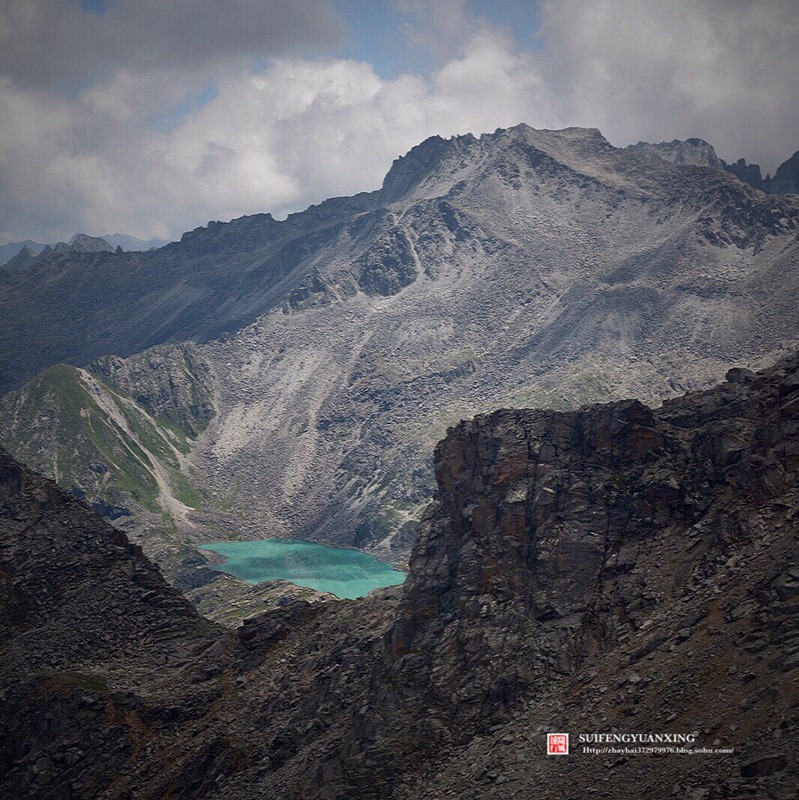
723, 70
278, 140
301, 130
442, 27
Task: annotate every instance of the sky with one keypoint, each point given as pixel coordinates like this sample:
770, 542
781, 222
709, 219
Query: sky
152, 117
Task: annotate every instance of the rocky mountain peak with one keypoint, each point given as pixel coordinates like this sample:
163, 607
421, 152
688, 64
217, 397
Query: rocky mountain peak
697, 152
82, 243
24, 258
748, 173
786, 178
693, 151
420, 163
437, 166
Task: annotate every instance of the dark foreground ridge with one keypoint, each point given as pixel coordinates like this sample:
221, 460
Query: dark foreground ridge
612, 570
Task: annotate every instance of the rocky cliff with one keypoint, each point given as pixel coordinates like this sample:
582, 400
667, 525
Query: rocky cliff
93, 642
615, 569
786, 178
701, 153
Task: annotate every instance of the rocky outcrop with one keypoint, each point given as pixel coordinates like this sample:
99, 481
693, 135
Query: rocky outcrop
693, 152
563, 547
612, 570
172, 383
88, 622
748, 173
82, 243
786, 178
698, 152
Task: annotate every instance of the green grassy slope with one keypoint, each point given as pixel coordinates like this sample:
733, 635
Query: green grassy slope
97, 442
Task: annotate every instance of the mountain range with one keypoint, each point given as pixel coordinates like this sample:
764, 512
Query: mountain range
364, 374
17, 255
276, 378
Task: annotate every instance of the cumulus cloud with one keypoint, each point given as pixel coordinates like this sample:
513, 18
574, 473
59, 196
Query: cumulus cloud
443, 27
199, 134
276, 140
723, 70
58, 40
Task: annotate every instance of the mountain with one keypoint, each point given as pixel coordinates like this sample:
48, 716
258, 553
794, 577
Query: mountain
11, 249
221, 278
691, 152
12, 258
128, 243
88, 622
124, 453
701, 153
613, 571
24, 258
27, 256
521, 268
786, 178
81, 243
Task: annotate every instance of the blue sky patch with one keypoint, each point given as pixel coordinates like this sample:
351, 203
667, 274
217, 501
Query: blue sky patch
167, 121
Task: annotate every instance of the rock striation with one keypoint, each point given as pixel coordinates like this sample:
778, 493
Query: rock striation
614, 569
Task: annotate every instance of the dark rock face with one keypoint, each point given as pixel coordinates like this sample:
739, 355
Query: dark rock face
87, 622
786, 178
388, 265
748, 173
615, 569
564, 543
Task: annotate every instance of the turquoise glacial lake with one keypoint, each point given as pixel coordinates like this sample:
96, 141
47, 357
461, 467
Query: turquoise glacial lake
344, 573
